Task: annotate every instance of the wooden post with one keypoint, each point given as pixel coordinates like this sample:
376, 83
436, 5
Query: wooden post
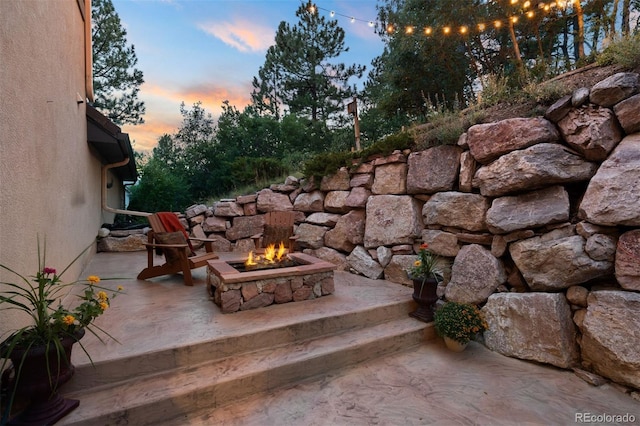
352, 108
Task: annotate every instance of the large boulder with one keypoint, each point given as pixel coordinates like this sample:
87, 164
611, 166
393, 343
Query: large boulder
530, 210
548, 263
215, 224
538, 166
615, 88
396, 269
441, 243
627, 263
336, 202
135, 242
532, 326
310, 236
491, 140
390, 179
269, 201
360, 261
456, 209
612, 195
324, 219
592, 131
392, 220
228, 209
339, 181
475, 275
433, 170
610, 339
309, 202
245, 227
357, 197
348, 232
628, 114
331, 256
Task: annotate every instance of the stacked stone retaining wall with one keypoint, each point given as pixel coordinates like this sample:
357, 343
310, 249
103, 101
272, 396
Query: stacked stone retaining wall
539, 219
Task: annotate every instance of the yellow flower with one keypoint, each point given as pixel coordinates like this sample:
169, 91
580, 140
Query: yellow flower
417, 263
104, 306
102, 296
68, 319
120, 288
93, 279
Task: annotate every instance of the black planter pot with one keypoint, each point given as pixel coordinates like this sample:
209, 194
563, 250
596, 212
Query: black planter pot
43, 371
425, 295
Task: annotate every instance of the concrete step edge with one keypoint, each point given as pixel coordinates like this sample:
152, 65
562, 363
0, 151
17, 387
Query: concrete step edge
220, 382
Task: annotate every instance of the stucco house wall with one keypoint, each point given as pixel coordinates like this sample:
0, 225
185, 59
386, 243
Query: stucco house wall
49, 178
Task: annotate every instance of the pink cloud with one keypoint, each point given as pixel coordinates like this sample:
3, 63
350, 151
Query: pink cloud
241, 34
163, 109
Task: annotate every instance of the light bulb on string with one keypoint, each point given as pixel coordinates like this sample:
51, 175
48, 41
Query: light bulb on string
428, 30
409, 30
332, 13
353, 19
446, 30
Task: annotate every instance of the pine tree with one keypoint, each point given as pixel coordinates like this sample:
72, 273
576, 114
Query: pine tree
298, 73
116, 82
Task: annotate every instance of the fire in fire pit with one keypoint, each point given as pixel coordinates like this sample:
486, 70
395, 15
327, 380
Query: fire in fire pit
271, 258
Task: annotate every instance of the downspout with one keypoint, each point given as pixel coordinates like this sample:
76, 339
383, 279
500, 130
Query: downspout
103, 191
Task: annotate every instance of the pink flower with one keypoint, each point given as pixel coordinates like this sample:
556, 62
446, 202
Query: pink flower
48, 271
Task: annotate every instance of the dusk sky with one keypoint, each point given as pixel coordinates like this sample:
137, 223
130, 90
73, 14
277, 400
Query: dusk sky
210, 50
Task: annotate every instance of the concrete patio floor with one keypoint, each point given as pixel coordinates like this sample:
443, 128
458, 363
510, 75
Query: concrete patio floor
426, 384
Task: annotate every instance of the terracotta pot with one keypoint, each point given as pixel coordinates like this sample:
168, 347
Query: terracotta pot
43, 371
424, 294
454, 345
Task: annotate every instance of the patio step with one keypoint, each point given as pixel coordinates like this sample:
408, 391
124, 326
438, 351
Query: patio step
181, 381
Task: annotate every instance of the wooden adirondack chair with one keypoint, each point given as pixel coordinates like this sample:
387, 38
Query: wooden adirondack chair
168, 236
278, 226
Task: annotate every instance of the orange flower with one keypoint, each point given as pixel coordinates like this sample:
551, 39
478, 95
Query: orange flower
424, 246
68, 319
93, 279
104, 306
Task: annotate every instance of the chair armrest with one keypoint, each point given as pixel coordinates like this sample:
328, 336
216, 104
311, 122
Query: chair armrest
204, 240
155, 245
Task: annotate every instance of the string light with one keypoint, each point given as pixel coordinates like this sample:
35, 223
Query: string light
463, 30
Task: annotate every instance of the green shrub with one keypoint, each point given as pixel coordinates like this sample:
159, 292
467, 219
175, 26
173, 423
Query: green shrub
459, 321
624, 52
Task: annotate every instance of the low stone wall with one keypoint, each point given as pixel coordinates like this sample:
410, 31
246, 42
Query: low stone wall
539, 218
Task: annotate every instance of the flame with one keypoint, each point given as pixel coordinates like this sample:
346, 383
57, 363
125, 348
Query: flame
271, 255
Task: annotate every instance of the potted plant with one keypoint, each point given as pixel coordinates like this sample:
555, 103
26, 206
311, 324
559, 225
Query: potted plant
426, 273
458, 323
36, 359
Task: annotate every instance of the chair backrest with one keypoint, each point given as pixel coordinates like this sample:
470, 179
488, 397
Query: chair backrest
278, 227
156, 223
280, 218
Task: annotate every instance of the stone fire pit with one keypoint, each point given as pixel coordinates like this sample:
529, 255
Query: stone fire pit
234, 290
